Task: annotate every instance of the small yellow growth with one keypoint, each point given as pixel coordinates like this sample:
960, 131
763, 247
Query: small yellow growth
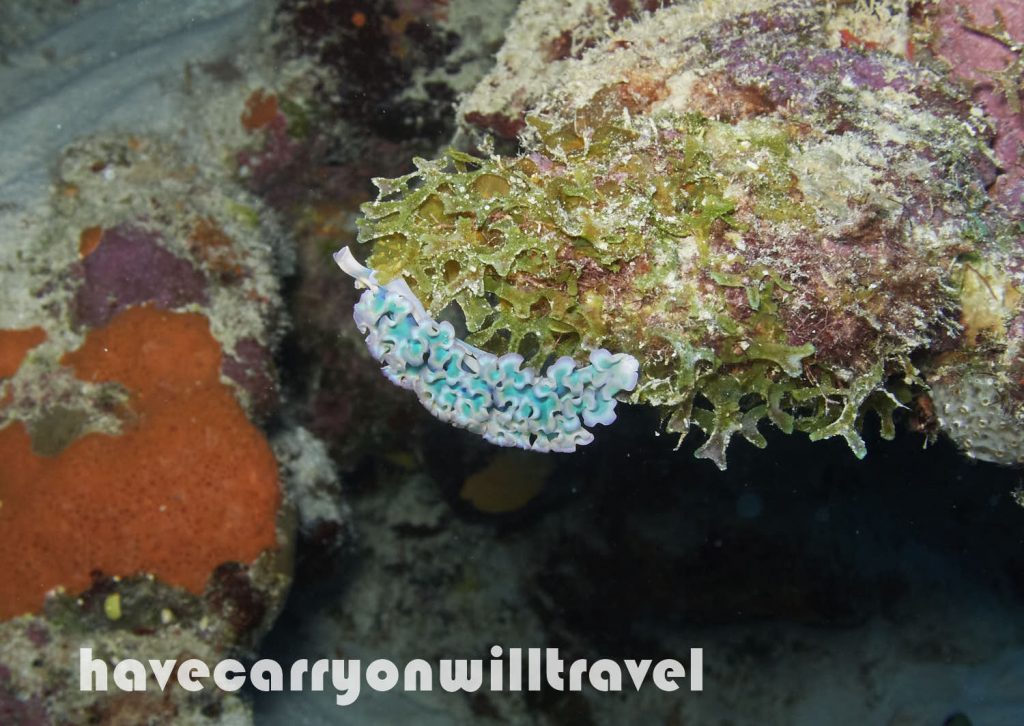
988, 300
509, 482
112, 607
166, 616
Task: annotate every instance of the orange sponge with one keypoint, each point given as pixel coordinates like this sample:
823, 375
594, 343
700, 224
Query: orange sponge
188, 485
14, 344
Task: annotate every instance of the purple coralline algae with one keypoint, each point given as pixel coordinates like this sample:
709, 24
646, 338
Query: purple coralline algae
130, 267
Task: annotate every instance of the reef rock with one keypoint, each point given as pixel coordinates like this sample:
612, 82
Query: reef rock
782, 209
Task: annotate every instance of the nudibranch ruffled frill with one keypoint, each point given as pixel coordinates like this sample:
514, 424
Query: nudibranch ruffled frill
490, 395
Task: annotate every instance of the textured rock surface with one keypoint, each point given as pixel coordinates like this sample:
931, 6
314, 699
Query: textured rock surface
982, 41
143, 511
784, 210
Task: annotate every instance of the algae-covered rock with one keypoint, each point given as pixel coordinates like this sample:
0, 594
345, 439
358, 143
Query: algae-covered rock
779, 217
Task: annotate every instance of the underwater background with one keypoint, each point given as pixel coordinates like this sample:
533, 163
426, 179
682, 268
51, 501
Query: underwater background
700, 325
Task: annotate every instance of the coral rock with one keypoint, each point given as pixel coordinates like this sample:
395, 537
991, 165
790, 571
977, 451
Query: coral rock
768, 203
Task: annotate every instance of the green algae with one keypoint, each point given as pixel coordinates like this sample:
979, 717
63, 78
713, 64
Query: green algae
642, 236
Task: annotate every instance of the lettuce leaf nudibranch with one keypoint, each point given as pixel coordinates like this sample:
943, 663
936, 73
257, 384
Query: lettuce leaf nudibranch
470, 388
